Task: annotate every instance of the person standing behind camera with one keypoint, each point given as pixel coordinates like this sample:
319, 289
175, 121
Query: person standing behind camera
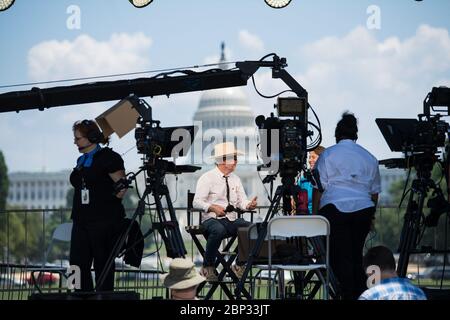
219, 192
96, 211
304, 182
350, 177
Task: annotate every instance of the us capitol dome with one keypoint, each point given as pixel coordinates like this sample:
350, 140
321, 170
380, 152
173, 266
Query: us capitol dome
223, 114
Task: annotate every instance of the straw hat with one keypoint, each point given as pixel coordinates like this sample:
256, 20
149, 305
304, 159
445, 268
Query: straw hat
225, 149
182, 275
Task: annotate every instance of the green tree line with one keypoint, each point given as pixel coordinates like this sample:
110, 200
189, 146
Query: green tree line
389, 221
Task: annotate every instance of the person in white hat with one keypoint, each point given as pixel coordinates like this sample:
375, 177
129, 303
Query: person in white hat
182, 280
220, 194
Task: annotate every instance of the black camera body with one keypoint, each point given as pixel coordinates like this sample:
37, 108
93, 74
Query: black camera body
156, 142
150, 138
283, 141
119, 185
430, 133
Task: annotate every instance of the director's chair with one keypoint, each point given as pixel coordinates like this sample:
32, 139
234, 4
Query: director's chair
225, 257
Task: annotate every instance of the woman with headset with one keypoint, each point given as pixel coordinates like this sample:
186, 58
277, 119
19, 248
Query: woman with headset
96, 211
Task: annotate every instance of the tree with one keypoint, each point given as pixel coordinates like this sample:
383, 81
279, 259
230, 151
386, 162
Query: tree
69, 197
4, 182
389, 221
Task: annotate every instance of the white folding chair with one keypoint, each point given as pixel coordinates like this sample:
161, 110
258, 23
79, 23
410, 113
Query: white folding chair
298, 226
61, 233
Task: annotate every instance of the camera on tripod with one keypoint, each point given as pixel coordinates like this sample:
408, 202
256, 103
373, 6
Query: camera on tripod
419, 140
283, 141
155, 142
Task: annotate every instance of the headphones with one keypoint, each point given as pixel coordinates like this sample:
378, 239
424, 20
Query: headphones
93, 136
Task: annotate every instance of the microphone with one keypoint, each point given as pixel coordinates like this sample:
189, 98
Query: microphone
85, 147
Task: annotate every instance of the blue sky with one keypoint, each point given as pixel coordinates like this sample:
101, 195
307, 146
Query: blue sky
342, 63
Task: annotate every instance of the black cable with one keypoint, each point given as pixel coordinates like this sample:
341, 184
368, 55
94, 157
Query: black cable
264, 186
137, 189
140, 198
315, 115
268, 55
317, 141
404, 188
268, 97
158, 244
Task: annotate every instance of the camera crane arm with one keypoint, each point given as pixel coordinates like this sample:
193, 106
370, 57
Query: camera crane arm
163, 84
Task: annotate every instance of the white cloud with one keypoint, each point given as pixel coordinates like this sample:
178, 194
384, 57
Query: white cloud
250, 41
37, 140
86, 56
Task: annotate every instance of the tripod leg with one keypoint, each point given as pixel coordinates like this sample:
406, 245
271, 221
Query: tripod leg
120, 242
169, 230
259, 242
410, 230
178, 239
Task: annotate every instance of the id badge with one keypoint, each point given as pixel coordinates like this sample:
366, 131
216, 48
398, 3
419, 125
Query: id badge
84, 196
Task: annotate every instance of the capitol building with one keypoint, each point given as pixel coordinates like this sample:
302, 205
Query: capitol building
222, 115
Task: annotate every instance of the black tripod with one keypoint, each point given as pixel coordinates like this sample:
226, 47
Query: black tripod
168, 229
285, 191
414, 220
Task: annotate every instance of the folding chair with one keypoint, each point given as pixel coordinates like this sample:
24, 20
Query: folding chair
225, 257
299, 226
61, 233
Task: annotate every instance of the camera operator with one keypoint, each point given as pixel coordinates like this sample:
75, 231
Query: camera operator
220, 194
350, 178
97, 212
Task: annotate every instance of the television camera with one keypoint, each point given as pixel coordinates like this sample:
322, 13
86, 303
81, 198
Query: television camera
283, 141
420, 141
156, 143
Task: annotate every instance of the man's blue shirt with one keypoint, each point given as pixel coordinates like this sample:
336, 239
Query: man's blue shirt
393, 289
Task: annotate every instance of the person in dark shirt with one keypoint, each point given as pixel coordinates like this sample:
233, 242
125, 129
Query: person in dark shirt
97, 212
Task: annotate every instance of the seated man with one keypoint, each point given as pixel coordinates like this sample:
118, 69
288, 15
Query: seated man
390, 286
219, 194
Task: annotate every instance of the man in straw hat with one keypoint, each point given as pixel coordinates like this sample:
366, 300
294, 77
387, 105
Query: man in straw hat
220, 194
182, 280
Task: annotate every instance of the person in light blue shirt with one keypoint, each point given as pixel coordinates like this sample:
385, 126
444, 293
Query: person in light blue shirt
350, 178
305, 183
389, 286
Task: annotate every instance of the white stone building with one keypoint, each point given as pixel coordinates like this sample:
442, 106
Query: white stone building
38, 190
